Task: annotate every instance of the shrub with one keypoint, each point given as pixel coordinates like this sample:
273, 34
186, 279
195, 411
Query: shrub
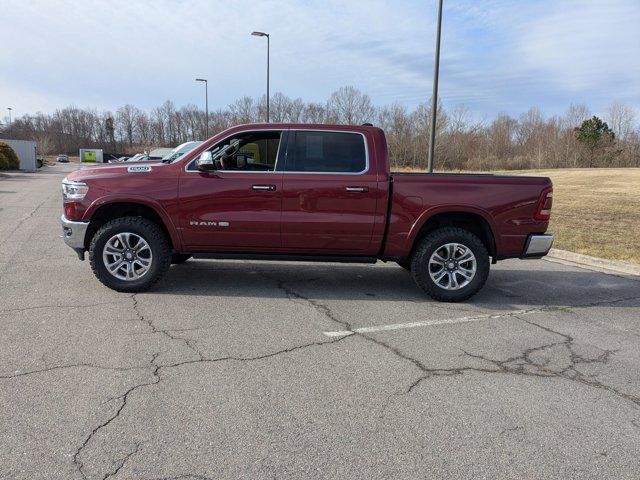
11, 161
4, 163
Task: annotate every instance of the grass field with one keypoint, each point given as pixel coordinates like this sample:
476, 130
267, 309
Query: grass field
596, 211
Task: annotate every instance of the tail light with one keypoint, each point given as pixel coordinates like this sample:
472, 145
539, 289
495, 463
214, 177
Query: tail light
543, 210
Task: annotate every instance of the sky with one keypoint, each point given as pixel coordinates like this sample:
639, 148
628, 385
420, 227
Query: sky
497, 56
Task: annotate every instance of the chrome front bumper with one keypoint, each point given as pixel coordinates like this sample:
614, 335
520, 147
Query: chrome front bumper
73, 233
537, 246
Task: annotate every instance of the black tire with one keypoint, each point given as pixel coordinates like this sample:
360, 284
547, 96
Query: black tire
147, 230
178, 258
434, 241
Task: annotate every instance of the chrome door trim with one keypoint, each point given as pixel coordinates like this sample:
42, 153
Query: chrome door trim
275, 167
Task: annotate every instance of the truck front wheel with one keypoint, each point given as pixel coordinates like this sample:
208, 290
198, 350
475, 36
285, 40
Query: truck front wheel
450, 264
129, 254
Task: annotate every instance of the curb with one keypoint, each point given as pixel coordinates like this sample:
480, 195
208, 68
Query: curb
589, 261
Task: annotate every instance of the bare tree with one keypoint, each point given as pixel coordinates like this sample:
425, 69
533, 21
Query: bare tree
314, 113
244, 110
350, 106
126, 119
575, 115
279, 107
621, 119
528, 140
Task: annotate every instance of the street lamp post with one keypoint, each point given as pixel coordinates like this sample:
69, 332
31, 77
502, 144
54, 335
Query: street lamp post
434, 96
9, 108
206, 105
262, 34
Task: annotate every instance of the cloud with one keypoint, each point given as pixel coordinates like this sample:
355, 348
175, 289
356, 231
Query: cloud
585, 45
497, 55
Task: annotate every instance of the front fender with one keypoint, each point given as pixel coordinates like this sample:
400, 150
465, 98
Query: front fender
142, 200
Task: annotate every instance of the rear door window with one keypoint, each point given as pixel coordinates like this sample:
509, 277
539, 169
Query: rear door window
326, 152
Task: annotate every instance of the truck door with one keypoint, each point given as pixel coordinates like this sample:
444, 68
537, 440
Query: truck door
238, 205
329, 194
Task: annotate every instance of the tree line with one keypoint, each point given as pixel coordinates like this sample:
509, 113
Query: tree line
575, 139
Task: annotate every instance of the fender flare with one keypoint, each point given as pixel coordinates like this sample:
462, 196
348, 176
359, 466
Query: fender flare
450, 208
176, 240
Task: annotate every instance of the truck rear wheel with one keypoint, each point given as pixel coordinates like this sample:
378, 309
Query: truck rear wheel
450, 264
129, 254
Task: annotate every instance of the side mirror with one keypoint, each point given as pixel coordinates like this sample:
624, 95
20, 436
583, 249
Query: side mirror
204, 162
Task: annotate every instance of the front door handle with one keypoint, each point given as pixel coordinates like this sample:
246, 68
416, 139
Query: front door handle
357, 189
266, 188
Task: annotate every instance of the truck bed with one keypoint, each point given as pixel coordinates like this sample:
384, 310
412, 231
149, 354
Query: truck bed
506, 203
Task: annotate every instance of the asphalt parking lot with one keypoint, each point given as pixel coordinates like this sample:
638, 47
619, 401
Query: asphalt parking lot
231, 369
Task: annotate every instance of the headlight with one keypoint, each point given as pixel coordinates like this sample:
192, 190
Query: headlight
74, 190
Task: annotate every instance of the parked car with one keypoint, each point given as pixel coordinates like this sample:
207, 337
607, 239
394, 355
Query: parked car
159, 153
62, 158
180, 150
119, 159
138, 157
302, 192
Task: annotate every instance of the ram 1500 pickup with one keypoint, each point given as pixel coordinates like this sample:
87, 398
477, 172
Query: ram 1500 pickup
302, 192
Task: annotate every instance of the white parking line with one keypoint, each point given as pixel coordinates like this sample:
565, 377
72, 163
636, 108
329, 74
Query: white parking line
426, 323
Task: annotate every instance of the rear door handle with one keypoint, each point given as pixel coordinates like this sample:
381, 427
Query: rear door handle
357, 189
268, 188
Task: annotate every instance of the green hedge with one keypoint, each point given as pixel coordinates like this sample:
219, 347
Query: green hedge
8, 158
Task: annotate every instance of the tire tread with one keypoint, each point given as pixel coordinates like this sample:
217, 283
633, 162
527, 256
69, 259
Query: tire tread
445, 235
163, 256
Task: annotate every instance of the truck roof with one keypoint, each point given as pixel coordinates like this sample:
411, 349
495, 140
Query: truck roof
306, 126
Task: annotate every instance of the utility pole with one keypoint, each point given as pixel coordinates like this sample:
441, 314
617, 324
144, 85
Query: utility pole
434, 96
9, 108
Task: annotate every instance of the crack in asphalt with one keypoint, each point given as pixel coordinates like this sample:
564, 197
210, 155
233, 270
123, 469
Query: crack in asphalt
122, 463
156, 372
514, 365
123, 403
323, 309
569, 373
511, 429
524, 365
154, 330
24, 219
157, 378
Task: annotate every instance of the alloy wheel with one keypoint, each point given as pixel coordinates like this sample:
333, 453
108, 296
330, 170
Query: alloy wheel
452, 266
127, 256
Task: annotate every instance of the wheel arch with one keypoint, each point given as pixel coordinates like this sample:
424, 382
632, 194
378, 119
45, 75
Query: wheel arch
103, 213
475, 221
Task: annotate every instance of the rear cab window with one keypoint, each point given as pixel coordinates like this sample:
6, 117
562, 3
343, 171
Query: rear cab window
326, 152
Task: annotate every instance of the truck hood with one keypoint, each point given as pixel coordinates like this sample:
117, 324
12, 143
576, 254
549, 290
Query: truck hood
107, 170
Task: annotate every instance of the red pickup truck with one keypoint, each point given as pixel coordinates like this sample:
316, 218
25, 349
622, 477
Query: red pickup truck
302, 192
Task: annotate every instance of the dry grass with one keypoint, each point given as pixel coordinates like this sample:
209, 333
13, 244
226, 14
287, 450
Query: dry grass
596, 211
